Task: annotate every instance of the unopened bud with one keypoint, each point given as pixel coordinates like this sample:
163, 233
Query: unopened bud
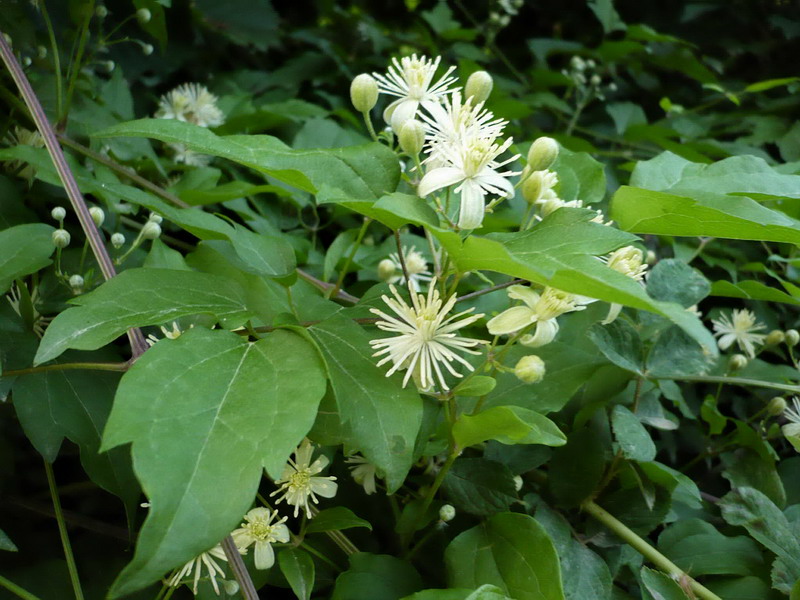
117, 240
737, 362
147, 50
155, 218
532, 187
479, 86
26, 61
775, 337
151, 230
650, 257
776, 406
231, 587
61, 238
530, 369
517, 482
98, 216
590, 64
8, 39
58, 213
595, 80
386, 269
411, 137
543, 153
101, 12
364, 92
447, 513
791, 337
108, 65
76, 283
41, 51
143, 15
577, 63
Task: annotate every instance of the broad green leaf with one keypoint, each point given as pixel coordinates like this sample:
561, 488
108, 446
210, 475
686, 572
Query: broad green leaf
480, 486
673, 280
675, 353
626, 114
485, 592
659, 586
393, 210
356, 172
768, 84
298, 568
682, 488
744, 467
6, 543
334, 519
740, 588
751, 289
632, 437
24, 249
577, 467
376, 577
620, 343
475, 386
139, 297
511, 551
508, 425
380, 417
580, 177
206, 413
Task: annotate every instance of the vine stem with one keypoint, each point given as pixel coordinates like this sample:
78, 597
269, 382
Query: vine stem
350, 257
494, 288
138, 345
89, 366
15, 589
743, 381
646, 550
62, 531
239, 569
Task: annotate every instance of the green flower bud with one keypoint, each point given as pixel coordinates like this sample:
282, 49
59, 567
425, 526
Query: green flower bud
61, 238
479, 86
737, 362
517, 482
154, 218
543, 153
364, 92
231, 587
412, 137
101, 12
386, 269
147, 49
151, 230
117, 240
41, 51
76, 283
530, 369
58, 213
776, 406
532, 187
651, 257
447, 513
143, 16
98, 216
792, 337
775, 337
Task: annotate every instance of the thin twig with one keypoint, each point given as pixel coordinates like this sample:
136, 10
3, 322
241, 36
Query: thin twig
403, 261
239, 569
743, 381
138, 345
88, 366
494, 288
15, 589
325, 286
62, 531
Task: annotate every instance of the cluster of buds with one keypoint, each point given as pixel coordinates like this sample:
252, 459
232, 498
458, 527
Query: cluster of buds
587, 79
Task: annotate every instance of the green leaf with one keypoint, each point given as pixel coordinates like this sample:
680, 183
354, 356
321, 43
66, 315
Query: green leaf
381, 418
577, 468
298, 568
660, 586
751, 289
620, 343
393, 210
242, 22
511, 551
672, 280
334, 519
508, 425
747, 507
607, 15
626, 114
6, 543
24, 249
745, 467
632, 437
139, 297
580, 177
376, 577
356, 172
485, 592
768, 84
479, 486
675, 353
206, 413
476, 386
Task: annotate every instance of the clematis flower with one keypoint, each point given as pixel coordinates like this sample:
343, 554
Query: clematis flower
630, 262
416, 265
204, 561
410, 79
739, 328
300, 483
363, 472
258, 528
192, 103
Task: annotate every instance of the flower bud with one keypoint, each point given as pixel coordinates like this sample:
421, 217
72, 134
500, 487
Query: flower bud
577, 63
8, 39
98, 216
231, 587
41, 51
479, 86
147, 50
26, 61
58, 213
151, 230
530, 369
155, 218
792, 337
517, 482
447, 513
61, 238
364, 92
117, 240
543, 154
143, 16
386, 269
108, 65
651, 257
590, 64
411, 137
532, 187
76, 283
101, 12
595, 80
775, 337
776, 406
737, 362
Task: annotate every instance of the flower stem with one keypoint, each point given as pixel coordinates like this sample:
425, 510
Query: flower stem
15, 589
75, 66
499, 286
56, 57
236, 563
646, 550
743, 381
356, 245
62, 531
370, 128
89, 366
402, 258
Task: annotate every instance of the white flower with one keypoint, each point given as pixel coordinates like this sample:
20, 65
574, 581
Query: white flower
426, 337
739, 328
416, 266
204, 560
363, 472
630, 262
182, 154
410, 80
454, 120
173, 334
298, 482
792, 428
259, 529
472, 164
539, 309
192, 103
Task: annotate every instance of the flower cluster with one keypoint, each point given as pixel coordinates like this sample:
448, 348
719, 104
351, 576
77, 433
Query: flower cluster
391, 269
190, 103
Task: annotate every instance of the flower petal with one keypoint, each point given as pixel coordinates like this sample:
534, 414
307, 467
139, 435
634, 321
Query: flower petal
545, 333
472, 205
437, 179
404, 111
281, 533
511, 320
524, 293
264, 556
322, 486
